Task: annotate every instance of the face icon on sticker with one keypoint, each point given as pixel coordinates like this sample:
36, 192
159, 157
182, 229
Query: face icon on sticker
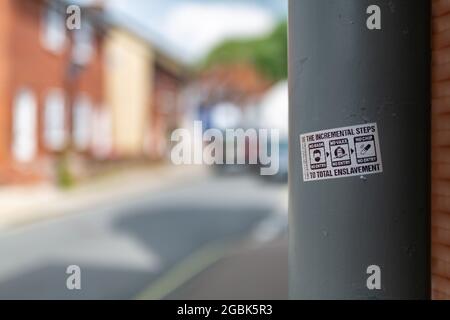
317, 155
339, 153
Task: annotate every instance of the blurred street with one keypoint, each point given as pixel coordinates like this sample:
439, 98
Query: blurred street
154, 165
125, 247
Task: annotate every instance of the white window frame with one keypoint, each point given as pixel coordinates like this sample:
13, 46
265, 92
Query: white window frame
83, 48
102, 133
55, 133
24, 126
53, 30
82, 122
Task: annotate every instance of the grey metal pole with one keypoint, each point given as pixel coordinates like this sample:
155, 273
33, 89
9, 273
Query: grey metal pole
359, 76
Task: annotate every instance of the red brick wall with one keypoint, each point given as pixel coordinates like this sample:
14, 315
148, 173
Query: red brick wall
91, 78
165, 117
441, 150
5, 22
24, 61
32, 65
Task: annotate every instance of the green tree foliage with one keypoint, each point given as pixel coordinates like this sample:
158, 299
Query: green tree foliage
268, 54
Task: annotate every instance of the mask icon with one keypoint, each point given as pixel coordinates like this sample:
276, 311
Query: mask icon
317, 155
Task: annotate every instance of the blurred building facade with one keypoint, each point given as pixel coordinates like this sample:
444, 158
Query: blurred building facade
236, 87
100, 92
240, 83
169, 80
127, 90
38, 79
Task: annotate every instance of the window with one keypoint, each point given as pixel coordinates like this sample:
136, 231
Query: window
83, 44
24, 138
53, 30
102, 133
54, 121
82, 122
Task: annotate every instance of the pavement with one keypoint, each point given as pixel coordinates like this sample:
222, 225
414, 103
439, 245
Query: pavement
152, 241
22, 205
256, 272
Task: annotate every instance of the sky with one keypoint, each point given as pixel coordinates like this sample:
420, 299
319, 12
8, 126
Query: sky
191, 28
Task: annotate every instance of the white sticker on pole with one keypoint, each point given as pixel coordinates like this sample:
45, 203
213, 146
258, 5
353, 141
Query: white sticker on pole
342, 152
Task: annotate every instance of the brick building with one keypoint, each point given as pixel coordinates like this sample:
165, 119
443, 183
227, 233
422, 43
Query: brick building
50, 77
146, 106
169, 79
441, 150
237, 82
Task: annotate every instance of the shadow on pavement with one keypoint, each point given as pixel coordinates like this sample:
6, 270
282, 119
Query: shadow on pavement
175, 232
172, 232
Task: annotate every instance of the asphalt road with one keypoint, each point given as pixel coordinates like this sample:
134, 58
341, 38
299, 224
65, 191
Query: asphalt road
123, 248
